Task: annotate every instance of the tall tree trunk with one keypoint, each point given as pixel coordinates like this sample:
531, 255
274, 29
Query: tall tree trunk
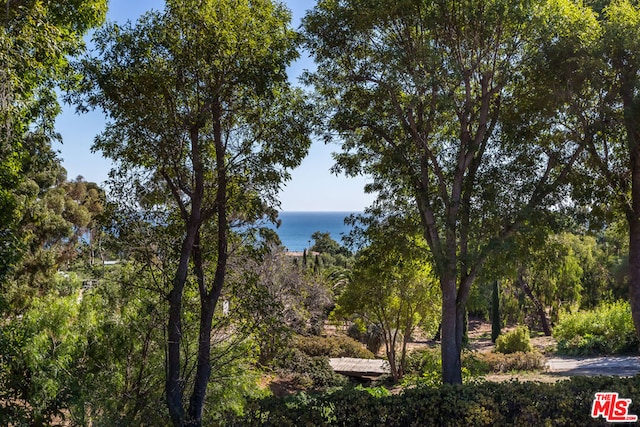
633, 218
496, 324
203, 369
174, 383
451, 343
209, 299
631, 111
393, 365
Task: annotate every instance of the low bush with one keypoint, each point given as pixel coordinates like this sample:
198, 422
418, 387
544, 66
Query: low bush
608, 329
424, 366
518, 361
517, 340
566, 403
339, 346
423, 360
308, 372
372, 335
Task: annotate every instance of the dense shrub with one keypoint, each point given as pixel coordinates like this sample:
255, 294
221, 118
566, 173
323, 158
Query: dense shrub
514, 341
356, 331
423, 360
566, 403
424, 366
308, 372
608, 329
518, 361
339, 346
372, 335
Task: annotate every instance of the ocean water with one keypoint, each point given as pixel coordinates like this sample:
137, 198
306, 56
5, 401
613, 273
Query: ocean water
297, 227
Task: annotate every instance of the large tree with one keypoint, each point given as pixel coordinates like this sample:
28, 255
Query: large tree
451, 105
37, 39
614, 143
204, 121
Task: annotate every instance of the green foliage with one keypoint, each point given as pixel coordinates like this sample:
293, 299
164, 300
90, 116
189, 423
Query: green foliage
424, 360
424, 366
607, 329
337, 346
306, 362
514, 341
308, 372
565, 403
56, 214
37, 41
43, 360
451, 108
392, 287
233, 384
478, 304
517, 361
323, 243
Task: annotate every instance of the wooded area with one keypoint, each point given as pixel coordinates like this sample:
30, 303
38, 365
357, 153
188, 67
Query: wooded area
502, 140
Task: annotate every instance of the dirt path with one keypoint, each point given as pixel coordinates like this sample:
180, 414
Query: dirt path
609, 365
558, 367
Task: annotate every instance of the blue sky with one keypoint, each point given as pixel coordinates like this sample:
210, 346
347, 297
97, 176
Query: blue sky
312, 187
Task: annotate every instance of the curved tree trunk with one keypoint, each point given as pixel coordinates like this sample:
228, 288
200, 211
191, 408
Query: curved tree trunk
540, 309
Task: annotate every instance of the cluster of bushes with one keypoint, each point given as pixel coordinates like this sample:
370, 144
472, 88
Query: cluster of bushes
370, 335
607, 329
513, 352
338, 346
306, 372
426, 366
306, 362
566, 403
518, 361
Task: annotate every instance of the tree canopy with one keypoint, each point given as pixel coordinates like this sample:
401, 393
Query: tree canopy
434, 102
205, 125
37, 40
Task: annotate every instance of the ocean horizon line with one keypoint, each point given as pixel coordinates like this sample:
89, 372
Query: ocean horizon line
297, 227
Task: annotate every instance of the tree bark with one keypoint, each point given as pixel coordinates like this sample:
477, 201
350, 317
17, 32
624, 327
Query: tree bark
633, 217
203, 369
174, 383
451, 343
631, 110
209, 299
496, 324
